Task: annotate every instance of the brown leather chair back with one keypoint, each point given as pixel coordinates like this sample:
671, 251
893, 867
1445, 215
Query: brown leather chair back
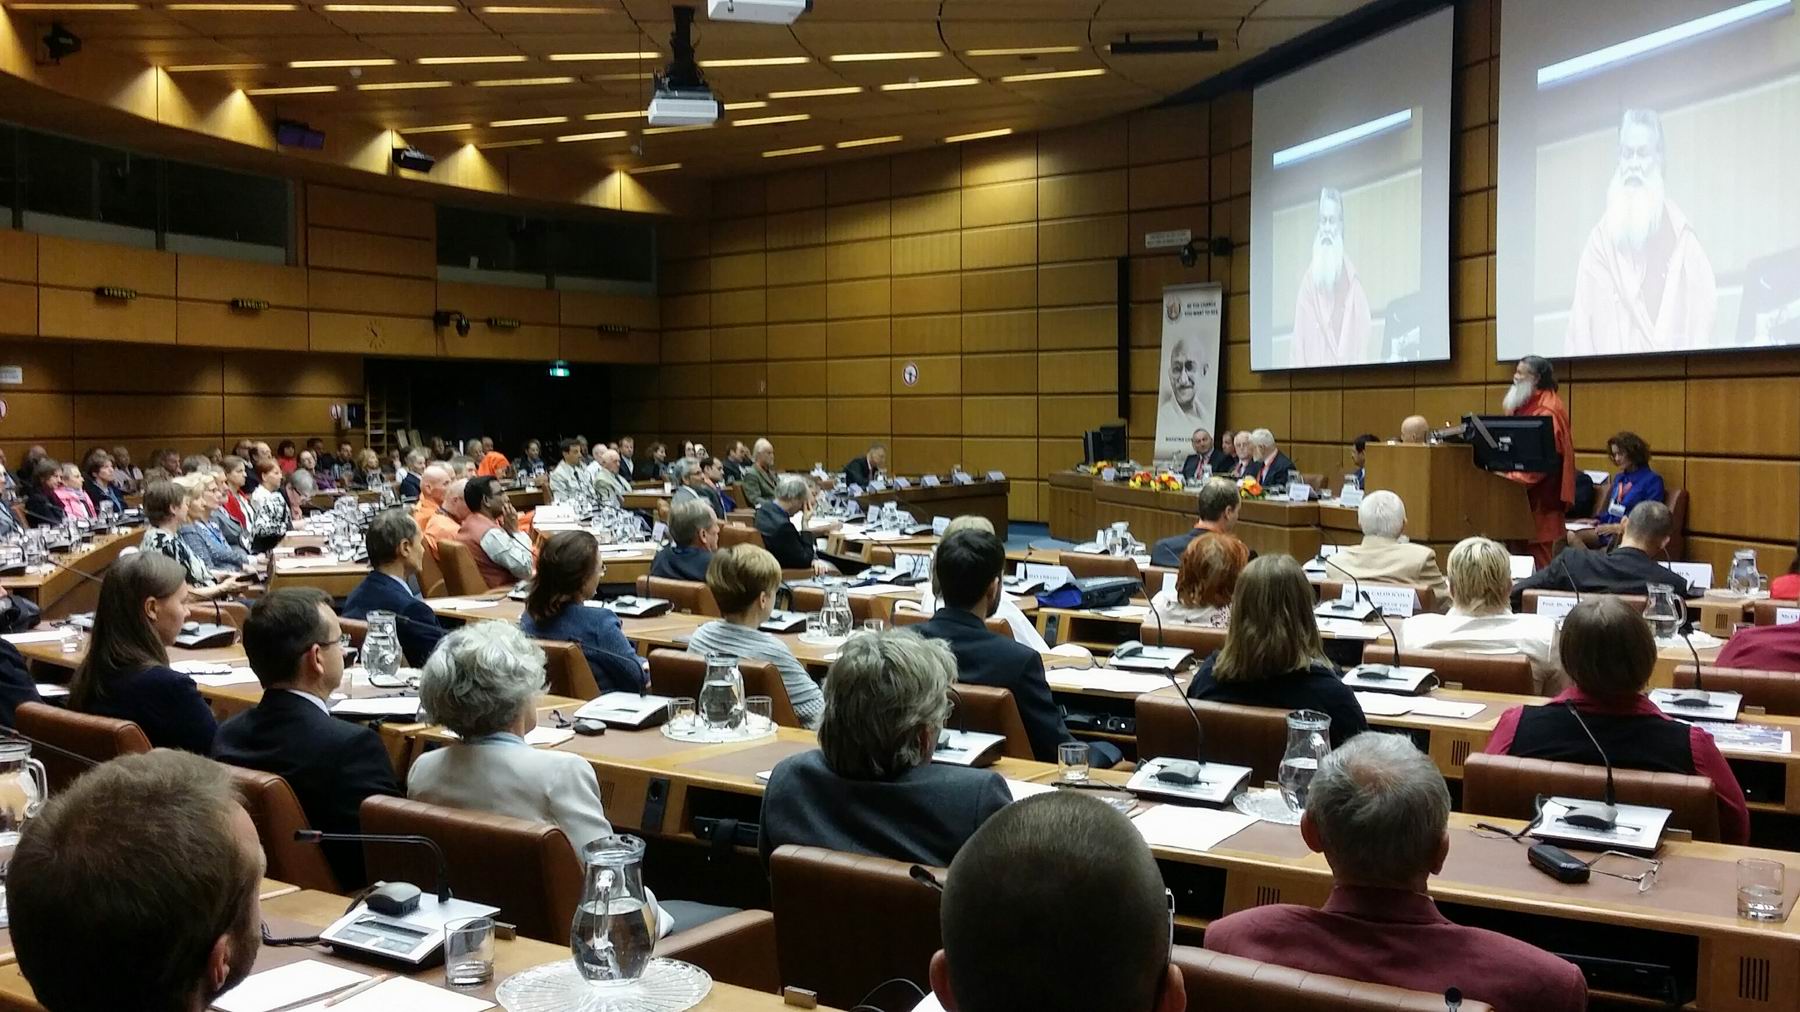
845, 923
689, 596
231, 613
1677, 501
431, 576
679, 673
1508, 786
1777, 692
1766, 610
878, 555
909, 616
527, 869
1531, 597
1083, 565
738, 534
277, 813
1476, 672
566, 670
862, 606
1216, 980
1202, 640
461, 578
990, 710
85, 735
1252, 736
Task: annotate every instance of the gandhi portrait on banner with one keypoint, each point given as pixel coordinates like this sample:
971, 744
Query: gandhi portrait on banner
1182, 410
1331, 313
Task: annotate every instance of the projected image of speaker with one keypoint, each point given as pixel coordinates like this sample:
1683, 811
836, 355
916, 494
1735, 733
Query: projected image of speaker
1645, 156
1349, 205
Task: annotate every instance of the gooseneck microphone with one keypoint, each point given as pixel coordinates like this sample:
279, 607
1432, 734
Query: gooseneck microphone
1169, 776
1355, 587
1586, 815
409, 839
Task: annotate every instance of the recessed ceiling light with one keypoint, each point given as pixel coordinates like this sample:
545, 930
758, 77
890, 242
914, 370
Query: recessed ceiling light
735, 106
328, 64
784, 152
525, 143
403, 85
232, 7
392, 8
653, 131
1054, 75
978, 135
924, 54
310, 89
445, 61
74, 7
604, 135
759, 61
599, 57
521, 82
192, 68
646, 169
953, 82
569, 11
817, 92
766, 120
869, 141
441, 128
627, 114
1023, 51
529, 121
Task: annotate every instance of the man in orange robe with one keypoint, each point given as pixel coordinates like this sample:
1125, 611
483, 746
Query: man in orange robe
1533, 392
1331, 311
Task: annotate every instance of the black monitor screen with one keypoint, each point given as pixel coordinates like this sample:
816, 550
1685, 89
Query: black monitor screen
1513, 442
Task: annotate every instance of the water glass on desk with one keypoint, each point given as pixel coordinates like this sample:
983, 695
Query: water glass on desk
759, 714
1761, 889
1072, 762
469, 952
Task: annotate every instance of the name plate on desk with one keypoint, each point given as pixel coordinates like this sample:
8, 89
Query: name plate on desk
1787, 616
855, 489
877, 485
1555, 605
941, 524
1299, 491
1698, 574
902, 483
1350, 496
1108, 474
996, 476
929, 481
1394, 602
961, 478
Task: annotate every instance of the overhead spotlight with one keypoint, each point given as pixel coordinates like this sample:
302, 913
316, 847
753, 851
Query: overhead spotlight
451, 318
60, 42
762, 12
1219, 246
414, 159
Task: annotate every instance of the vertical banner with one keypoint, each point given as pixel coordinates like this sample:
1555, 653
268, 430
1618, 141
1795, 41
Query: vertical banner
1187, 390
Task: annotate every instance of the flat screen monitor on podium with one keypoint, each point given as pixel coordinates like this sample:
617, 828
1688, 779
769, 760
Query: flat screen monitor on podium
1512, 442
1104, 443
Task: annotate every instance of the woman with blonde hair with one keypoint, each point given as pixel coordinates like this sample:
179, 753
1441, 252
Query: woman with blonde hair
1210, 567
1273, 655
743, 579
1481, 620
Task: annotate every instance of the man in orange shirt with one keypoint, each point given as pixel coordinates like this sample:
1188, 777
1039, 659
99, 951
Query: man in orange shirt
492, 463
1533, 392
434, 523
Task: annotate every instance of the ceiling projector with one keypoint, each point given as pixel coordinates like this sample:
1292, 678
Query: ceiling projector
682, 97
762, 12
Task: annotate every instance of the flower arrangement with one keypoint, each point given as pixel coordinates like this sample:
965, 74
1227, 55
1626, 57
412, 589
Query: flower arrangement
1167, 481
1250, 488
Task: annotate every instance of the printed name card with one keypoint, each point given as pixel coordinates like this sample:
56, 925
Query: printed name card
1522, 566
962, 478
877, 485
902, 483
996, 476
1787, 616
1394, 602
1299, 491
1697, 573
1350, 496
1108, 474
939, 525
929, 481
1555, 605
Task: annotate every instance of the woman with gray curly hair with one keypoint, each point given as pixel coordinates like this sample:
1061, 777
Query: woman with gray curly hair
871, 787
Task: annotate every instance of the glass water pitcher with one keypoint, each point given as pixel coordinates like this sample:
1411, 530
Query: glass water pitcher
613, 934
23, 788
722, 694
1665, 612
1744, 578
836, 615
1308, 741
381, 655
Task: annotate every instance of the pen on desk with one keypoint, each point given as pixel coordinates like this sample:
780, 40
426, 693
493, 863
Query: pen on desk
358, 989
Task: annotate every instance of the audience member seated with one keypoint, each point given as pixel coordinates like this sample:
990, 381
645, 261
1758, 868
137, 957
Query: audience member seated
461, 465
1627, 569
1608, 651
1012, 893
407, 478
1017, 623
69, 493
1482, 622
792, 546
743, 579
368, 471
396, 551
966, 575
611, 481
492, 463
693, 538
166, 509
126, 673
1273, 655
570, 481
1218, 503
568, 573
491, 533
736, 460
627, 458
866, 468
43, 507
126, 477
760, 478
1379, 812
432, 513
151, 850
16, 684
1415, 429
1270, 466
270, 514
1359, 455
285, 456
871, 787
1631, 484
1763, 648
654, 467
1383, 555
694, 483
301, 478
1203, 586
228, 484
100, 484
199, 533
532, 463
239, 480
293, 643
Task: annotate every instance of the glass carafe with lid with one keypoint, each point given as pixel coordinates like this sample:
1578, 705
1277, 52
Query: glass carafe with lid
613, 934
1308, 741
23, 788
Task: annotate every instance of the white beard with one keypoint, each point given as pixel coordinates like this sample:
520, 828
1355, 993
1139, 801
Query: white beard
1327, 263
1517, 395
1634, 212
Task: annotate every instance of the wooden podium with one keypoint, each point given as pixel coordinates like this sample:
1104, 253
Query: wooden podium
1447, 497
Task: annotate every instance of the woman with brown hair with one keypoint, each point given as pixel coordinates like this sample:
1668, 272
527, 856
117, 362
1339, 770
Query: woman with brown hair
568, 572
1634, 482
126, 674
1273, 655
1210, 566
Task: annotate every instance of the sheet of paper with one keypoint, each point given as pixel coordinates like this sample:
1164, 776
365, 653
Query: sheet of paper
236, 676
202, 667
34, 636
1181, 828
378, 706
1427, 706
464, 603
48, 690
1105, 679
1383, 704
1134, 612
285, 985
403, 994
1344, 628
549, 737
1750, 737
1022, 789
310, 562
929, 1003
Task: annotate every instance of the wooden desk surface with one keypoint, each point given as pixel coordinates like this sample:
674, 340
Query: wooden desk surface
73, 587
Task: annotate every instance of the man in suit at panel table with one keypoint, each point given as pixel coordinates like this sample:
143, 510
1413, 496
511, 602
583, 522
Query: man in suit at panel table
866, 468
1218, 504
1268, 464
966, 577
1205, 455
1382, 556
291, 639
1627, 569
693, 538
396, 551
782, 524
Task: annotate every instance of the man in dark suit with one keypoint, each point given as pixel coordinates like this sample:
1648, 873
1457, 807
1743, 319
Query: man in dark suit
16, 683
409, 482
966, 576
1270, 466
396, 551
291, 639
1627, 569
694, 536
1205, 455
866, 468
1218, 502
792, 547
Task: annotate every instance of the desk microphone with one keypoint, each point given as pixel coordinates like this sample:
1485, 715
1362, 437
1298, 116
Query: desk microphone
1586, 814
389, 900
1356, 589
1180, 778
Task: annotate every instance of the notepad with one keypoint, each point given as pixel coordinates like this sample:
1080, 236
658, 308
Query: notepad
1104, 679
236, 676
1180, 828
1022, 789
464, 603
203, 668
378, 706
35, 636
285, 985
403, 994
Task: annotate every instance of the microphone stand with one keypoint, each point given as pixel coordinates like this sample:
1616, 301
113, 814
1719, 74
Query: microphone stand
410, 839
1587, 815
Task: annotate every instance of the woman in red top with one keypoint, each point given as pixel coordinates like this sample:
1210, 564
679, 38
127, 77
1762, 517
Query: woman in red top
286, 456
1786, 587
238, 502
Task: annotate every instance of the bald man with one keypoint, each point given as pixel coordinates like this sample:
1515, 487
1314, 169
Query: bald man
759, 479
433, 519
1415, 429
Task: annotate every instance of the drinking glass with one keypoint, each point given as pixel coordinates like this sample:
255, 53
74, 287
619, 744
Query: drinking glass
815, 625
469, 952
873, 625
759, 714
1072, 760
1760, 889
682, 713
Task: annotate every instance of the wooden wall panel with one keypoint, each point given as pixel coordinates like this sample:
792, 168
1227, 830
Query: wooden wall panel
75, 263
375, 254
214, 325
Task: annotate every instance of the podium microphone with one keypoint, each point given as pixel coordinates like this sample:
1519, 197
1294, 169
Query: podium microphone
390, 901
1586, 814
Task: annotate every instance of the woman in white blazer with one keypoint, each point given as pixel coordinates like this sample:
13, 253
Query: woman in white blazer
483, 682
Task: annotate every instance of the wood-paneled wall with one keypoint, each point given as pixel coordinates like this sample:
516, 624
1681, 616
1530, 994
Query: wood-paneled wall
794, 310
